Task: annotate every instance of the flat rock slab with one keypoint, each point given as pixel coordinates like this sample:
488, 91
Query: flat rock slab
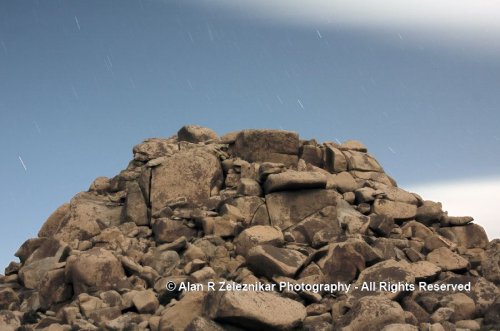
424, 270
290, 207
447, 260
294, 180
267, 146
255, 310
273, 261
192, 174
394, 209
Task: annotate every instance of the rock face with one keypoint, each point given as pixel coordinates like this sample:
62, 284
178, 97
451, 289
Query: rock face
238, 232
194, 175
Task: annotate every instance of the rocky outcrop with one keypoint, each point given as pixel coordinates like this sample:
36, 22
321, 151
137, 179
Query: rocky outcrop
238, 232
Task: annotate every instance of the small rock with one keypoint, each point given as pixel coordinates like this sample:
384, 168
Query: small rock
202, 275
442, 314
145, 302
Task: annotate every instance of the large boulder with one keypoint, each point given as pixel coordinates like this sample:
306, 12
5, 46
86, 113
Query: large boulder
193, 174
49, 228
255, 310
267, 146
41, 269
468, 236
342, 264
372, 313
290, 207
195, 134
87, 211
311, 228
384, 275
94, 270
491, 263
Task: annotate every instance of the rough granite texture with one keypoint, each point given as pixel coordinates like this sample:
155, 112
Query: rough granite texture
136, 251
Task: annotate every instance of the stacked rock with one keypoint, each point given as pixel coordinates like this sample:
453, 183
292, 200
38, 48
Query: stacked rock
254, 230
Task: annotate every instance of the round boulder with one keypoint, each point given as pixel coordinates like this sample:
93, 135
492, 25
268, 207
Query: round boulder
94, 270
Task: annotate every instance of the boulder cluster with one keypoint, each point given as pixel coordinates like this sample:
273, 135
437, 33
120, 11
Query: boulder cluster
252, 207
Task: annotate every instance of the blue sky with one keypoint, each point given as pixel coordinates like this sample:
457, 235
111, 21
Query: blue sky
82, 82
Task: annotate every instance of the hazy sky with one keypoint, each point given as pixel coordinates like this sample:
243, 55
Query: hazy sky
82, 82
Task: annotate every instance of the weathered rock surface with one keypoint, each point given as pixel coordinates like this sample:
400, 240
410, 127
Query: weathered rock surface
258, 235
273, 261
267, 146
294, 180
192, 174
372, 313
159, 246
290, 207
447, 260
195, 134
94, 270
255, 310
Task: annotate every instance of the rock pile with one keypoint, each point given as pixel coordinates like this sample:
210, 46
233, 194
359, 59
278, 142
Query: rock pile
308, 236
